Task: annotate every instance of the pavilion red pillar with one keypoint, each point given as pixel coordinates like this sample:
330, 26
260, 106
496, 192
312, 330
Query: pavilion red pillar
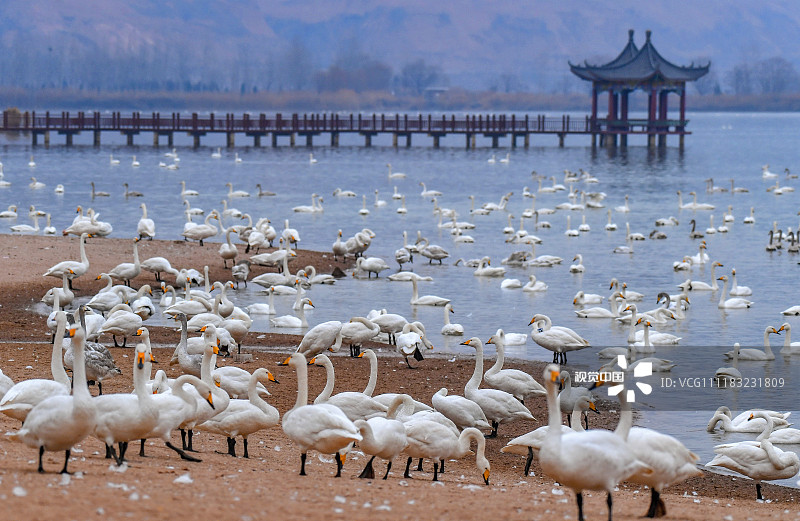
623, 115
594, 105
683, 117
611, 139
651, 117
662, 116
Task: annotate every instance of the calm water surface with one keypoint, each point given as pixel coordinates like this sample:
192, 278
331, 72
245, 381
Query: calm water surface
723, 146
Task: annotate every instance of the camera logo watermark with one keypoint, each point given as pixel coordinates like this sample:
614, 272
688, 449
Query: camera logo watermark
617, 378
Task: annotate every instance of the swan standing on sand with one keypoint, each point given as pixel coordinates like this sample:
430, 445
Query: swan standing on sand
355, 405
127, 271
518, 383
463, 412
245, 417
59, 422
499, 406
321, 427
557, 339
563, 457
18, 401
384, 438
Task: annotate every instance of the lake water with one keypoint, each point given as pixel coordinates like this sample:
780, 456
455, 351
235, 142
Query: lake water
723, 146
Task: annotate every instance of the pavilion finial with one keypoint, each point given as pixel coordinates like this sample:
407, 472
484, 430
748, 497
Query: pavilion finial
630, 35
647, 34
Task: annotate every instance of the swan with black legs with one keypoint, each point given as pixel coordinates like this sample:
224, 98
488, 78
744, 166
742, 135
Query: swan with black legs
563, 457
322, 427
530, 443
59, 422
498, 406
759, 461
243, 417
18, 401
518, 383
557, 339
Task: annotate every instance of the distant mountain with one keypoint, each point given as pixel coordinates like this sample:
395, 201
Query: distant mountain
244, 44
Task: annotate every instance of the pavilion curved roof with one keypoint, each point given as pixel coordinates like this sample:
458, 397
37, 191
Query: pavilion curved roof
640, 65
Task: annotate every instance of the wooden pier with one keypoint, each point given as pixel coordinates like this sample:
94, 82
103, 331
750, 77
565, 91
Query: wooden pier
294, 126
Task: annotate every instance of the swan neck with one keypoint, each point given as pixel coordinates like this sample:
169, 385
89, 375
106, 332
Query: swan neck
302, 386
466, 438
373, 372
56, 362
330, 380
501, 357
768, 428
84, 258
625, 417
80, 390
477, 374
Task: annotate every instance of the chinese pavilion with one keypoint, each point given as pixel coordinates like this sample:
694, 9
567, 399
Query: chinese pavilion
643, 69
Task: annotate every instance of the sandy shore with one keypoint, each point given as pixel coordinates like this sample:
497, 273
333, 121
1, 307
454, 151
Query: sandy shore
268, 485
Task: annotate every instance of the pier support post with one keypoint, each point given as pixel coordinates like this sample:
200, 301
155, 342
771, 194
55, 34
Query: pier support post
561, 136
680, 141
274, 140
662, 140
467, 136
610, 140
231, 139
47, 139
651, 140
96, 138
408, 140
623, 140
129, 139
513, 141
170, 139
196, 140
155, 139
34, 139
527, 140
256, 140
472, 141
495, 141
436, 141
367, 140
594, 140
309, 140
394, 140
335, 139
292, 138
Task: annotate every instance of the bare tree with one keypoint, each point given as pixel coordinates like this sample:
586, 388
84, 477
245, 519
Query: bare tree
418, 75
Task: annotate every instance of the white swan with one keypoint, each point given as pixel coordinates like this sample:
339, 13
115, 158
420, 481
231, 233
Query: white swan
760, 462
484, 269
407, 343
35, 185
730, 375
531, 442
757, 354
499, 406
18, 401
699, 285
235, 193
450, 328
59, 422
127, 271
731, 303
428, 439
789, 347
598, 312
425, 300
370, 265
722, 417
518, 383
395, 175
244, 417
321, 427
203, 231
533, 285
669, 460
463, 412
292, 321
324, 336
557, 339
384, 438
121, 418
563, 457
355, 405
736, 290
578, 267
582, 298
428, 193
